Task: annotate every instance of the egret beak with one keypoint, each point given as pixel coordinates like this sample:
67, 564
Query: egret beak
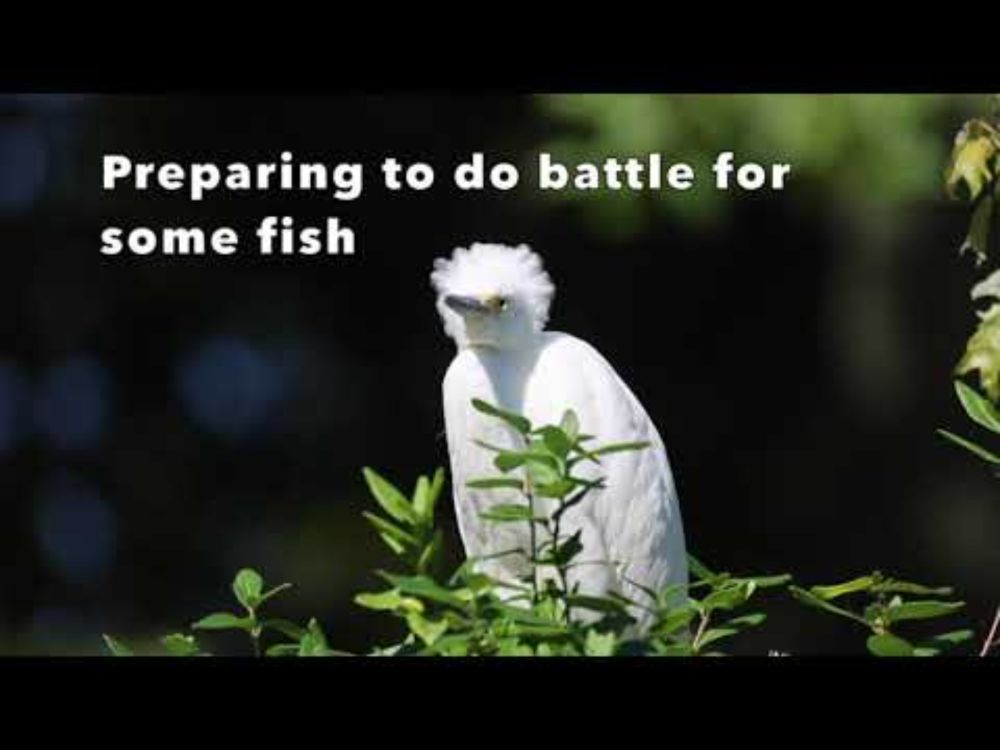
462, 304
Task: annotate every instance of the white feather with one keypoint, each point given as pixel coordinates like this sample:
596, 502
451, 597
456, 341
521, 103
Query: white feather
631, 531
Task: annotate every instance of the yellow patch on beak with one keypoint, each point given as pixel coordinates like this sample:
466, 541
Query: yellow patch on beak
494, 303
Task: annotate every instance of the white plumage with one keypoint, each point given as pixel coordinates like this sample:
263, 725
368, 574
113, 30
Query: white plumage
494, 301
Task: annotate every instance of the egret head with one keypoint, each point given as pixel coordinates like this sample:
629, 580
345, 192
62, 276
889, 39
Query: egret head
492, 295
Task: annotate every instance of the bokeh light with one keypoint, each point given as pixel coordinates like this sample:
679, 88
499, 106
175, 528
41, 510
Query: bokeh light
23, 164
72, 406
14, 395
77, 529
231, 387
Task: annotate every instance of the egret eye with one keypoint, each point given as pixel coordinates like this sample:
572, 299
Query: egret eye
495, 304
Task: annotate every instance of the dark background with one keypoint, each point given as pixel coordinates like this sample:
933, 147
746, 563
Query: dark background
166, 421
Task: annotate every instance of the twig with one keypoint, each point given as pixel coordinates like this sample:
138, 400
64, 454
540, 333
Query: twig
991, 638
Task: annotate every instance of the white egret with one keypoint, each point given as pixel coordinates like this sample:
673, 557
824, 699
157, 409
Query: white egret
494, 301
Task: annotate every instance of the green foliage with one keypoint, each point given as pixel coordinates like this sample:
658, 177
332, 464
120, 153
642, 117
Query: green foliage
544, 613
973, 175
410, 531
250, 593
877, 602
869, 153
470, 613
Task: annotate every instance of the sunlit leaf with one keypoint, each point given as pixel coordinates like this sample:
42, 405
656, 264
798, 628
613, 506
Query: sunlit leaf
970, 446
810, 599
224, 621
599, 644
922, 610
509, 513
397, 539
427, 630
982, 353
391, 499
495, 483
886, 644
556, 440
178, 644
423, 587
570, 425
429, 557
604, 450
837, 590
972, 160
979, 409
247, 587
892, 586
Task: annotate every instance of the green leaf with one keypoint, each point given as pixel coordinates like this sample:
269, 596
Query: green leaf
922, 610
604, 450
116, 647
423, 587
970, 446
514, 647
953, 637
559, 488
892, 586
599, 644
283, 649
313, 643
700, 571
730, 596
766, 582
390, 600
421, 497
566, 552
397, 539
982, 353
274, 592
977, 241
509, 460
715, 634
971, 160
427, 630
570, 425
519, 423
434, 493
286, 627
556, 440
675, 621
886, 644
979, 409
391, 499
178, 644
811, 600
489, 446
542, 474
224, 621
247, 587
509, 513
431, 554
748, 621
945, 641
840, 589
596, 603
496, 483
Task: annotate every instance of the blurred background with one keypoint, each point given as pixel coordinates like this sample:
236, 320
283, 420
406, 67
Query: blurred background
166, 421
